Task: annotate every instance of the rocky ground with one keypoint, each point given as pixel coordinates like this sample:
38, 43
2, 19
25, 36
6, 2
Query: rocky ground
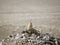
30, 37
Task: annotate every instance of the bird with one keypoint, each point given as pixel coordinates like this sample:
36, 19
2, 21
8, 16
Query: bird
29, 26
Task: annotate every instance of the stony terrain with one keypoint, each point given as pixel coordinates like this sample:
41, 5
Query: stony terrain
30, 37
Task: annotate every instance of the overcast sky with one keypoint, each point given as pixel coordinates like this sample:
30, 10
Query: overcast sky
20, 11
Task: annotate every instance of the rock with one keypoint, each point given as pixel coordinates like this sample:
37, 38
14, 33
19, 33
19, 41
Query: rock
31, 37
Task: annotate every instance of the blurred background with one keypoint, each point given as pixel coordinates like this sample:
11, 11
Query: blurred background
16, 14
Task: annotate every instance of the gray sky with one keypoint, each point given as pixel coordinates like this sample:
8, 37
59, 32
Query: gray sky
21, 11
